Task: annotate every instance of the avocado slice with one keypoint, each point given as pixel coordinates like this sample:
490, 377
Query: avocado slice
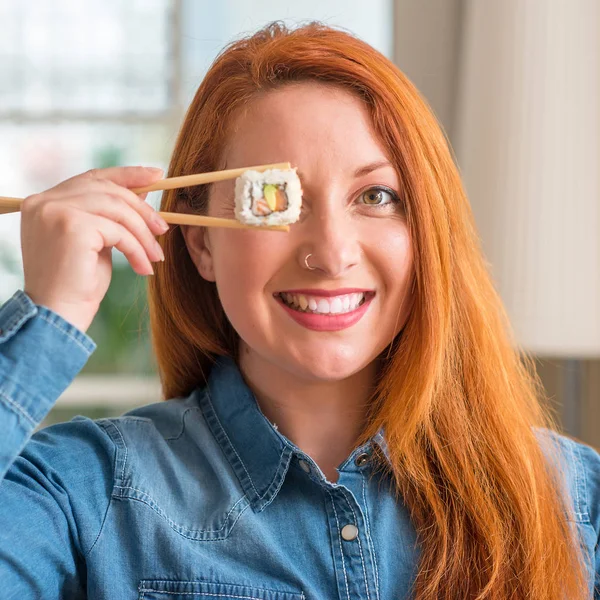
270, 194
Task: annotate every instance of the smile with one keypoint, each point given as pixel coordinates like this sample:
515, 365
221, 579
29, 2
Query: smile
334, 305
323, 310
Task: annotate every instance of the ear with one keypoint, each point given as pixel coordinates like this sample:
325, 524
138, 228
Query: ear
198, 245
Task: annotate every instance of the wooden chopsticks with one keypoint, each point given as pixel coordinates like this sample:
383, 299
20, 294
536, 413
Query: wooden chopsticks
11, 205
8, 205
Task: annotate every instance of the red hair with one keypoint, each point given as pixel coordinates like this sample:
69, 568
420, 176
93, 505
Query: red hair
459, 403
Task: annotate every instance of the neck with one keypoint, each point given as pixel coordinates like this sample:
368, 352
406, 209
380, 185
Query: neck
324, 418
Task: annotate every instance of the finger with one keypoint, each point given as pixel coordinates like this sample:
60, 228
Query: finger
73, 190
114, 235
114, 207
127, 177
154, 221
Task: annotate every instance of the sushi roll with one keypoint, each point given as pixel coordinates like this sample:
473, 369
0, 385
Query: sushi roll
272, 197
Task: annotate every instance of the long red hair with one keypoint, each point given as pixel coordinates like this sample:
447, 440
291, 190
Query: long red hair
459, 402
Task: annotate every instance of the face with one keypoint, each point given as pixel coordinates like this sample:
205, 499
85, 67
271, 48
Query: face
353, 225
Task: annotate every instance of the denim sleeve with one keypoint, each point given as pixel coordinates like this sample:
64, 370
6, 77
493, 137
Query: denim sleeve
40, 355
591, 463
54, 502
51, 498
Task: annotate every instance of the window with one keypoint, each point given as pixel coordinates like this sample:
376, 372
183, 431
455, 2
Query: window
88, 84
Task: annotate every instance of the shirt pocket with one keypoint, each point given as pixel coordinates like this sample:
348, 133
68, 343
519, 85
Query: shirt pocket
157, 589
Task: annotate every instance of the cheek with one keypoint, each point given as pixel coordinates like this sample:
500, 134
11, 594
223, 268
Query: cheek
244, 263
393, 260
392, 254
243, 259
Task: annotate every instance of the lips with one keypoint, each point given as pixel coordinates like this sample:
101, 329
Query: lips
327, 310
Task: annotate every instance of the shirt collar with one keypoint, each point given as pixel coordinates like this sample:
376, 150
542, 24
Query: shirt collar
259, 454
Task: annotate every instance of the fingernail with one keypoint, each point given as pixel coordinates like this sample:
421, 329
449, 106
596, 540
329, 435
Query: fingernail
160, 223
154, 169
159, 251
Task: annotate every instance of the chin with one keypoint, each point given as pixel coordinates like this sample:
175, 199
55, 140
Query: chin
324, 366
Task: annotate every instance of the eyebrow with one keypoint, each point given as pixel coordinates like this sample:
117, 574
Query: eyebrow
364, 170
372, 167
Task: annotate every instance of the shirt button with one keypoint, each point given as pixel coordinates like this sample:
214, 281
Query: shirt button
362, 459
349, 532
304, 466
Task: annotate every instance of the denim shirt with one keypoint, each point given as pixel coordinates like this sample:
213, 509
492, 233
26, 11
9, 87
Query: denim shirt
194, 498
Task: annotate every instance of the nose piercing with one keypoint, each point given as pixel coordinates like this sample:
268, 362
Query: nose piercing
306, 262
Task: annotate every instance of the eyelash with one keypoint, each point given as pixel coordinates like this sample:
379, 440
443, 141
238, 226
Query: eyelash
395, 199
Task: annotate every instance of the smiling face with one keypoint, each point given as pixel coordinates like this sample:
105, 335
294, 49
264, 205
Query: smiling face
352, 224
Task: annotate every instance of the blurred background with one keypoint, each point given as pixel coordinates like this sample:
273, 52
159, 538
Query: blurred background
514, 83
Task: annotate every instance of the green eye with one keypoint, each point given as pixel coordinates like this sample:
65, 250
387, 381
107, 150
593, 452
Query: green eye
377, 196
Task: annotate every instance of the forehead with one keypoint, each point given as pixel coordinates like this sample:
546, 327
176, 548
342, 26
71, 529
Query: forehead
303, 122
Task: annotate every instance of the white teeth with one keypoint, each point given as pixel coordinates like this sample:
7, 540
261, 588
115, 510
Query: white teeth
318, 304
323, 306
335, 306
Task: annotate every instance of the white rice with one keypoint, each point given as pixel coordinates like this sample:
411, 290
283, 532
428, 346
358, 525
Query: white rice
249, 187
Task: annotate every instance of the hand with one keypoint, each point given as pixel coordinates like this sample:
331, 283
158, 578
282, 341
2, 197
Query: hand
68, 232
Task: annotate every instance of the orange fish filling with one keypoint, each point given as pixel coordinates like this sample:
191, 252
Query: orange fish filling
274, 200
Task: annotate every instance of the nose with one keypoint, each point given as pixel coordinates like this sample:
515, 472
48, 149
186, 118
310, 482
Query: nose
331, 237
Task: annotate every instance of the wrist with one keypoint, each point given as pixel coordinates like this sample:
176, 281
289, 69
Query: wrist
78, 315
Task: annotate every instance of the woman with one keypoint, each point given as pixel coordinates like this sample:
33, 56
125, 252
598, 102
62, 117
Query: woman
347, 417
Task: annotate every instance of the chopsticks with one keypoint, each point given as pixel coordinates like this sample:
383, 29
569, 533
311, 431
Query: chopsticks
11, 205
8, 205
201, 178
